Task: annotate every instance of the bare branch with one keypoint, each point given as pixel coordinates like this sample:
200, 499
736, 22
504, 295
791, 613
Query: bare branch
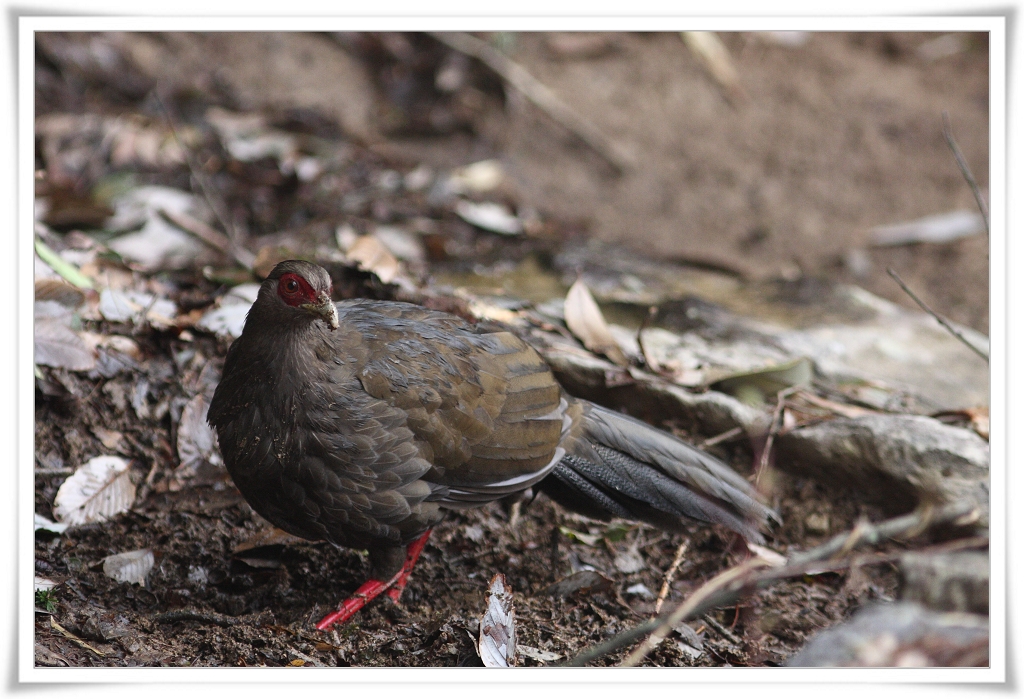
965, 170
942, 321
743, 580
539, 94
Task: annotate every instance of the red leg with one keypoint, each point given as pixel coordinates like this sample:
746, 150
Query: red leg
412, 554
372, 588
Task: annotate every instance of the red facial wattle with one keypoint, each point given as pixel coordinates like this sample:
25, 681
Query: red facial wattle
294, 290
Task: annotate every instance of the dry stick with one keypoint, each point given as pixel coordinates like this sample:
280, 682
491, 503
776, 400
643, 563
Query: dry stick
722, 631
688, 608
799, 564
942, 321
209, 235
538, 93
239, 253
773, 429
73, 638
669, 574
965, 170
718, 439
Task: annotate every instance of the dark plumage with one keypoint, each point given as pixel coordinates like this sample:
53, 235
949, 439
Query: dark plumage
361, 423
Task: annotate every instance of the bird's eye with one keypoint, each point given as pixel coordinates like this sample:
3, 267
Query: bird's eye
291, 286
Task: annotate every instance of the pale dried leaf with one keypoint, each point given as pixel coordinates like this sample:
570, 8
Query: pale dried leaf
152, 242
584, 319
43, 583
46, 525
124, 306
373, 256
59, 346
99, 490
544, 656
129, 567
401, 243
497, 646
629, 561
941, 228
640, 590
228, 319
481, 176
197, 442
110, 439
490, 216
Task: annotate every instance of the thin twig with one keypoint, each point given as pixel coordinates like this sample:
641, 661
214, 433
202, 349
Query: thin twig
942, 321
965, 170
669, 574
719, 438
147, 484
722, 631
688, 608
239, 253
540, 94
773, 429
873, 533
724, 590
73, 638
209, 235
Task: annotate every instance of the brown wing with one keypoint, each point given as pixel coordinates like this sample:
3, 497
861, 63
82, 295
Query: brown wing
485, 407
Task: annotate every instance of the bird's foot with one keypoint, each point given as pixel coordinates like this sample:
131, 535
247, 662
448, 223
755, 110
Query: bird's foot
373, 588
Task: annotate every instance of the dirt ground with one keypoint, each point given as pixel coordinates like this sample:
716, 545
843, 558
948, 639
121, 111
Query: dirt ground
780, 178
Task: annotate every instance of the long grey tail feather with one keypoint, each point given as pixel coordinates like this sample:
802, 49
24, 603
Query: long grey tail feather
625, 468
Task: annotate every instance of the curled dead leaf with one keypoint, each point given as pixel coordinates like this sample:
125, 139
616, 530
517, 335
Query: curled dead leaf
584, 319
59, 346
373, 256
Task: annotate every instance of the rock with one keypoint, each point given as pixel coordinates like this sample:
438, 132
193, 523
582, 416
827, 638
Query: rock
953, 582
903, 634
896, 461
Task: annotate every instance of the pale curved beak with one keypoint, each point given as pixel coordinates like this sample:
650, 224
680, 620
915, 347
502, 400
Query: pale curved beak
324, 308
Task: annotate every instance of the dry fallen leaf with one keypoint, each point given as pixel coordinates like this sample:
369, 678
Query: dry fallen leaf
197, 442
490, 216
543, 656
46, 525
630, 560
497, 645
59, 346
129, 567
99, 490
130, 306
481, 176
373, 256
228, 319
585, 320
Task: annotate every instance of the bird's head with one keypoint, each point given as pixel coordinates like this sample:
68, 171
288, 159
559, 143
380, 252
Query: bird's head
297, 289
